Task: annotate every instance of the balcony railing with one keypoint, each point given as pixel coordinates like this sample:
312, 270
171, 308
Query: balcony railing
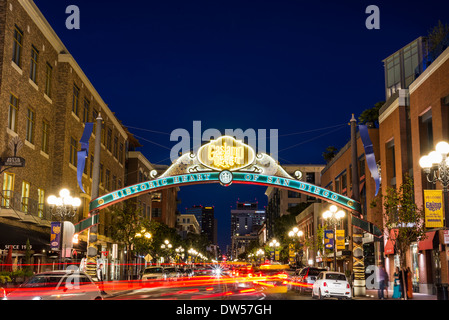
14, 200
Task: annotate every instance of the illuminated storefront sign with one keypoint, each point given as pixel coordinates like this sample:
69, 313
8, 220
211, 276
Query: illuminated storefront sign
226, 153
237, 177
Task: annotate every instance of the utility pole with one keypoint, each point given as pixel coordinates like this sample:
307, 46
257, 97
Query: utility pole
358, 264
91, 266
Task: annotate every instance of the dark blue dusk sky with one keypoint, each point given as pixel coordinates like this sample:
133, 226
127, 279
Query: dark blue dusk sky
295, 66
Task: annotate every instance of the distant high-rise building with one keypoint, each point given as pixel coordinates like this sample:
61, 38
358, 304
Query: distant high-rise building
246, 220
205, 217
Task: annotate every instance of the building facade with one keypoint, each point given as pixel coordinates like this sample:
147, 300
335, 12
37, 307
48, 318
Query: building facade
280, 200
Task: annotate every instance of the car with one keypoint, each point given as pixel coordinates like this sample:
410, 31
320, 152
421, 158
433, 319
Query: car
331, 284
273, 275
172, 273
243, 277
306, 278
154, 273
57, 285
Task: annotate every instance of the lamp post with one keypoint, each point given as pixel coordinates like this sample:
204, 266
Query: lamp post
333, 216
296, 234
436, 167
260, 253
64, 208
167, 245
179, 253
274, 244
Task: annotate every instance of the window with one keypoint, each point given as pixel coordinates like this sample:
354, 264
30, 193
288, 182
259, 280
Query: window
293, 194
34, 64
393, 74
86, 110
17, 46
94, 120
8, 188
109, 140
115, 152
108, 179
120, 153
48, 76
75, 101
101, 173
391, 163
30, 125
45, 136
73, 151
13, 111
40, 202
156, 212
310, 177
25, 195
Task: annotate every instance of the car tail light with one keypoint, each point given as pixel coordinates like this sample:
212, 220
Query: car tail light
325, 284
347, 286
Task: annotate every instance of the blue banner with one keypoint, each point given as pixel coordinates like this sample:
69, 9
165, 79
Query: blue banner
329, 239
55, 235
369, 155
83, 153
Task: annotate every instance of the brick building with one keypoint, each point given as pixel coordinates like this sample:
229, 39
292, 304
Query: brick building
45, 99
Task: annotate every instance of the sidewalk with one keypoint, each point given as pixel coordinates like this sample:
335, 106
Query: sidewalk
373, 295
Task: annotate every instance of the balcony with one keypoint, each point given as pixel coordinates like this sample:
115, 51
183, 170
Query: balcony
14, 206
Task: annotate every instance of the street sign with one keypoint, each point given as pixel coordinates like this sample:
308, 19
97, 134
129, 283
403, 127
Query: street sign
148, 258
13, 162
446, 236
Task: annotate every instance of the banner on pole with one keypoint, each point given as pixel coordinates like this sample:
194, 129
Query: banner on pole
433, 208
340, 239
329, 239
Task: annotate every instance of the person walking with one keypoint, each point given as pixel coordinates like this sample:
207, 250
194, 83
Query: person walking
100, 278
409, 283
397, 284
382, 278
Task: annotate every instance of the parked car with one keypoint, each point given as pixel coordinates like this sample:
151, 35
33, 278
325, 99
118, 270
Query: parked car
57, 285
306, 278
331, 284
154, 273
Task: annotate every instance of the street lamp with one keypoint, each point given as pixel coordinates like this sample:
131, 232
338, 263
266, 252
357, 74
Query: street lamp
64, 208
167, 245
274, 244
436, 167
333, 216
296, 234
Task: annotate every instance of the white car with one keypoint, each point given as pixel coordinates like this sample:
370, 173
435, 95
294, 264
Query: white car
57, 285
154, 273
331, 284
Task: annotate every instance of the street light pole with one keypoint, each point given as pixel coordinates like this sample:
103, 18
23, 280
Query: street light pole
436, 167
333, 217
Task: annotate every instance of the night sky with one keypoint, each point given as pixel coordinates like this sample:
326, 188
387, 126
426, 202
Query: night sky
302, 67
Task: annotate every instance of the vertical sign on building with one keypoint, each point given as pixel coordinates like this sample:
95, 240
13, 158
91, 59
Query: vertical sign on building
433, 208
55, 235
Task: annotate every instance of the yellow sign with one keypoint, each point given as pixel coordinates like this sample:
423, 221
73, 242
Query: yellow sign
226, 153
433, 208
340, 239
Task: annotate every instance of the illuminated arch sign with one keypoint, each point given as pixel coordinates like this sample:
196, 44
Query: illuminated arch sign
213, 177
226, 161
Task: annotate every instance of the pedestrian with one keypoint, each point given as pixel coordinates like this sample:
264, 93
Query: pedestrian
100, 278
397, 285
382, 279
409, 283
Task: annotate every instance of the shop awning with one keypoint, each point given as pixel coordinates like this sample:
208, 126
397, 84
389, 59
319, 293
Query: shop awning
389, 246
427, 243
